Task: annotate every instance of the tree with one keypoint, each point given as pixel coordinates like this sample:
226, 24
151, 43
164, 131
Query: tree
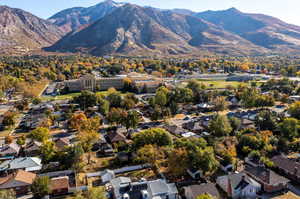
8, 139
40, 187
116, 115
115, 99
150, 154
21, 140
154, 136
9, 119
77, 121
294, 110
131, 120
205, 196
48, 151
235, 123
91, 193
103, 106
289, 128
266, 120
40, 134
220, 125
178, 155
220, 103
86, 99
7, 194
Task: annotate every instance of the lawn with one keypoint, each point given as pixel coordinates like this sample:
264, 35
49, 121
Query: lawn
70, 96
222, 84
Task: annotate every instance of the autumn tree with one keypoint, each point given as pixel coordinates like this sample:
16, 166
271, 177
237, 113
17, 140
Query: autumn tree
150, 154
220, 103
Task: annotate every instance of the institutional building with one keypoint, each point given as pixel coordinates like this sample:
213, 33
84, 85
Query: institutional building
142, 83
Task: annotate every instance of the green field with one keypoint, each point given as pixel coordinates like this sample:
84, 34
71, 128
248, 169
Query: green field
219, 84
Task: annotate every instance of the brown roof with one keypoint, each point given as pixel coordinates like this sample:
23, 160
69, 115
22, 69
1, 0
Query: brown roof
288, 165
19, 176
62, 142
116, 137
60, 183
288, 195
265, 175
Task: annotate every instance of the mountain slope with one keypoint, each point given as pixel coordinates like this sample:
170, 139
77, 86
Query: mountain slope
74, 18
131, 29
261, 30
21, 31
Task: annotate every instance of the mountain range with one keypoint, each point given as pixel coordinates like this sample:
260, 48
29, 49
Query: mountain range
127, 29
21, 31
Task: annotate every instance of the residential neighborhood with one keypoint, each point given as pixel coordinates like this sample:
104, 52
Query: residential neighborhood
138, 136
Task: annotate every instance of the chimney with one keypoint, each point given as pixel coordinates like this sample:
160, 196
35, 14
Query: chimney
229, 189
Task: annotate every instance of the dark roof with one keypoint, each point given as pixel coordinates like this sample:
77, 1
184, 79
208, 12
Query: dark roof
116, 137
265, 175
205, 188
174, 129
290, 166
193, 126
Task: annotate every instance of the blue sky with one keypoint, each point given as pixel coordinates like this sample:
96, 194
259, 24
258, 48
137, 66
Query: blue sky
287, 10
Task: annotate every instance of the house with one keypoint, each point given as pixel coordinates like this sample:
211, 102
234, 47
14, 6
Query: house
247, 124
20, 181
116, 137
124, 188
175, 130
270, 181
195, 127
288, 195
33, 148
62, 143
24, 163
10, 150
290, 167
59, 185
238, 185
192, 191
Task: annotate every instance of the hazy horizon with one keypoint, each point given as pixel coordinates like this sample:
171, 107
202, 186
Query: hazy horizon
284, 10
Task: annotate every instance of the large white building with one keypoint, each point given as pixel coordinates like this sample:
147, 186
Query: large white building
94, 83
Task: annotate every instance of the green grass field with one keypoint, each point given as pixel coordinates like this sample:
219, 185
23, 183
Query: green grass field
67, 96
222, 84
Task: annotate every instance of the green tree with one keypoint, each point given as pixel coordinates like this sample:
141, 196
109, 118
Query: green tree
220, 126
266, 120
154, 136
48, 151
40, 187
115, 99
294, 110
131, 120
235, 123
289, 128
40, 134
103, 106
86, 99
